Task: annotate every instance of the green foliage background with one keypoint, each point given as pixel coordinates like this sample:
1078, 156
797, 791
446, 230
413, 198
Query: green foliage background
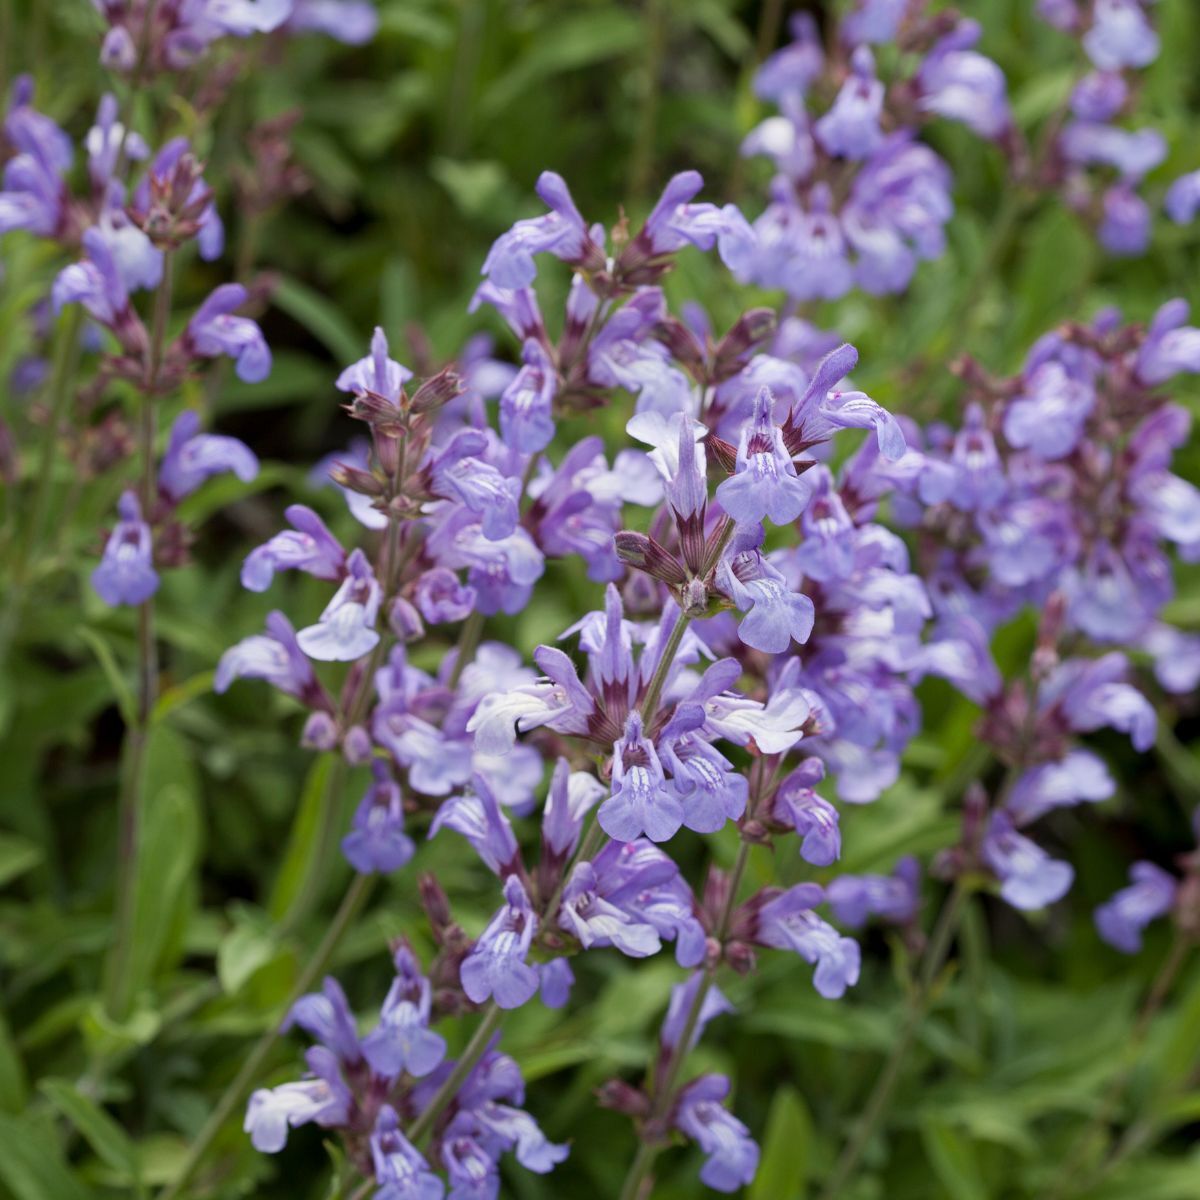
421, 148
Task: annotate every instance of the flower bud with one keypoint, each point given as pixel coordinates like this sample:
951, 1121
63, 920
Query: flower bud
741, 957
750, 331
647, 555
356, 746
320, 733
404, 620
437, 391
682, 344
622, 1097
356, 480
694, 598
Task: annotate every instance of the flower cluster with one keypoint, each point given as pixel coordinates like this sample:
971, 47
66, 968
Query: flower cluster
144, 35
857, 199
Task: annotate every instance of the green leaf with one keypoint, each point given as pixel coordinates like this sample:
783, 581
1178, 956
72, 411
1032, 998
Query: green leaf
248, 946
17, 855
568, 44
32, 1166
320, 317
953, 1160
305, 850
13, 1085
122, 692
110, 1142
785, 1150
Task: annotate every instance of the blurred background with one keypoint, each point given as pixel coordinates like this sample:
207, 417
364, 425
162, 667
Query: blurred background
407, 157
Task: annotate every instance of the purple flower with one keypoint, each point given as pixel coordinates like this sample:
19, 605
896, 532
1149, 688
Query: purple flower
126, 573
477, 816
324, 1099
1120, 36
850, 129
786, 921
403, 1041
683, 997
1092, 693
401, 1173
790, 71
630, 896
1151, 894
496, 966
376, 373
873, 22
776, 615
326, 1016
856, 410
346, 629
701, 1116
555, 981
640, 802
460, 472
274, 656
706, 784
214, 331
1099, 96
765, 484
96, 283
210, 234
813, 817
1171, 346
527, 405
895, 898
354, 22
675, 222
572, 795
1125, 223
192, 457
1079, 777
560, 232
377, 841
959, 83
1182, 200
1049, 415
308, 546
441, 597
1029, 877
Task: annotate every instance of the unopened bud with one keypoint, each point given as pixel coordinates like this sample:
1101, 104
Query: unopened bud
724, 452
320, 733
755, 832
435, 903
750, 331
741, 957
404, 620
356, 746
437, 391
622, 1097
357, 480
681, 343
647, 555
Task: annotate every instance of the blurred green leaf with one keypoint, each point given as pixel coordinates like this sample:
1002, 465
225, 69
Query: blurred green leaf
32, 1166
784, 1165
99, 1130
953, 1160
17, 855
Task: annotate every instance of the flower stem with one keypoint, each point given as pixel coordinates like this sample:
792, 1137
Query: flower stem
881, 1094
355, 897
663, 1090
119, 981
659, 678
468, 643
474, 1051
66, 360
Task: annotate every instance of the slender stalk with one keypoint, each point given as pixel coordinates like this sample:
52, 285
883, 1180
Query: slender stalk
659, 678
663, 1090
66, 360
641, 158
468, 643
119, 980
881, 1094
355, 897
480, 1039
1073, 1177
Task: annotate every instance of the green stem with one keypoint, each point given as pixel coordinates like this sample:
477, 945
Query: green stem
233, 1095
119, 980
66, 360
659, 678
480, 1039
641, 158
468, 643
881, 1094
663, 1090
